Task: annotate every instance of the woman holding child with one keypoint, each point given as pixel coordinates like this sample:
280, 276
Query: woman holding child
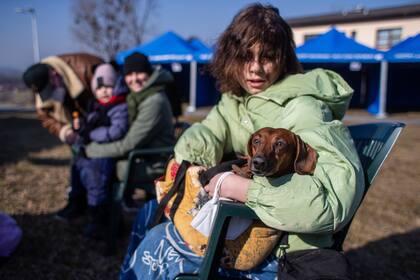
149, 113
263, 84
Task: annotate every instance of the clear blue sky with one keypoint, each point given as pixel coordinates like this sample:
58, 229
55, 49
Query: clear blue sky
204, 19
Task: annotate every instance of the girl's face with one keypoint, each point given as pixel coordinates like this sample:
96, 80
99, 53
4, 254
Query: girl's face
103, 94
259, 73
136, 80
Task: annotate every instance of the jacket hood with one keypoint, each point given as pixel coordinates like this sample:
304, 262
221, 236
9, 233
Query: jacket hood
160, 76
73, 84
321, 84
120, 88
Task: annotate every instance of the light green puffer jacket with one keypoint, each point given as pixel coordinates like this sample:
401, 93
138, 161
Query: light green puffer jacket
310, 207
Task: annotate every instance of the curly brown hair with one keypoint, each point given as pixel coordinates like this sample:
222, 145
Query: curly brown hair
255, 24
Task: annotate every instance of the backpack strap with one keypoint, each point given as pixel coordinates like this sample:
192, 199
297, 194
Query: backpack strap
204, 179
178, 187
178, 182
283, 266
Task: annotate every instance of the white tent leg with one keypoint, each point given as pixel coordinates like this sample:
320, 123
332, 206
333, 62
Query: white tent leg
193, 87
383, 90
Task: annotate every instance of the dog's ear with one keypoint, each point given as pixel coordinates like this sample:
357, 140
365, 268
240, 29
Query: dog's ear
306, 158
250, 145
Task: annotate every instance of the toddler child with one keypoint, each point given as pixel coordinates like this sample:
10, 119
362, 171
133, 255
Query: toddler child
107, 121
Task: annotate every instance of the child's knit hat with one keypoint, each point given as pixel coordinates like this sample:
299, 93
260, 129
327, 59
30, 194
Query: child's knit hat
104, 75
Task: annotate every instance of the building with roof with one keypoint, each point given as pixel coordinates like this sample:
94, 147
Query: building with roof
377, 28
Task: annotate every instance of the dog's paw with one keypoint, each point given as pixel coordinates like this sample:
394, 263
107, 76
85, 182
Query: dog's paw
243, 171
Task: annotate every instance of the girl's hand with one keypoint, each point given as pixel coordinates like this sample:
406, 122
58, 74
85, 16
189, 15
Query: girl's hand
211, 186
233, 187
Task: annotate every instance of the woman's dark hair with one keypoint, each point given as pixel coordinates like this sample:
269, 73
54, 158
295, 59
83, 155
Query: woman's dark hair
255, 24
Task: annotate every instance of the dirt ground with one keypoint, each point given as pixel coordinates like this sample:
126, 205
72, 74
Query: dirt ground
383, 243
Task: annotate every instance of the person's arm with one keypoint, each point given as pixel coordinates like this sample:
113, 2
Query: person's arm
143, 128
61, 130
233, 186
116, 130
49, 122
322, 202
205, 143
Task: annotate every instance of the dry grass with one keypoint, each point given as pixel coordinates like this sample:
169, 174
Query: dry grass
33, 180
383, 243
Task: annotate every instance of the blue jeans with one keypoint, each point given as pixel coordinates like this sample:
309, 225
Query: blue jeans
162, 254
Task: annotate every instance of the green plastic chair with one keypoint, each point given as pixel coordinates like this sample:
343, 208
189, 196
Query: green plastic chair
137, 161
373, 142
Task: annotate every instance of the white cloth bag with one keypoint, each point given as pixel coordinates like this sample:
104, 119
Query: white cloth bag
204, 219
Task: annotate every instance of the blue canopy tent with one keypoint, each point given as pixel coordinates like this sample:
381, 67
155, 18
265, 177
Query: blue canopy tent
335, 46
403, 90
208, 94
337, 50
167, 48
203, 54
171, 48
407, 51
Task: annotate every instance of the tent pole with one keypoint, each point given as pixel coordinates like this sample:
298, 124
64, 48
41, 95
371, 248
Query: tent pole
383, 90
193, 87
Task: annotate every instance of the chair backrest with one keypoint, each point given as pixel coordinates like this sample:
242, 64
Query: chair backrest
373, 142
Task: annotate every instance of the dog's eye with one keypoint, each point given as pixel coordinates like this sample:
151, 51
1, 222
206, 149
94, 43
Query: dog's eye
256, 141
280, 143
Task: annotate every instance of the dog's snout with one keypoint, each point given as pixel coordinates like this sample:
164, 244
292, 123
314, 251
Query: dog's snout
259, 163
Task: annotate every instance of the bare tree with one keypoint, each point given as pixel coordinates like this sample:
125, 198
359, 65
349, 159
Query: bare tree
109, 26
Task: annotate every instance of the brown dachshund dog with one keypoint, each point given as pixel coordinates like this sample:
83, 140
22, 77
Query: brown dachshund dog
276, 151
272, 152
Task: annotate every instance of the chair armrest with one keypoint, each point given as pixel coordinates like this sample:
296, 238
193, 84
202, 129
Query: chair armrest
210, 265
227, 210
234, 209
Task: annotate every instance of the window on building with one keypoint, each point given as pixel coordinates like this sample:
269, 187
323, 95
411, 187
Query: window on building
386, 38
309, 36
353, 34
